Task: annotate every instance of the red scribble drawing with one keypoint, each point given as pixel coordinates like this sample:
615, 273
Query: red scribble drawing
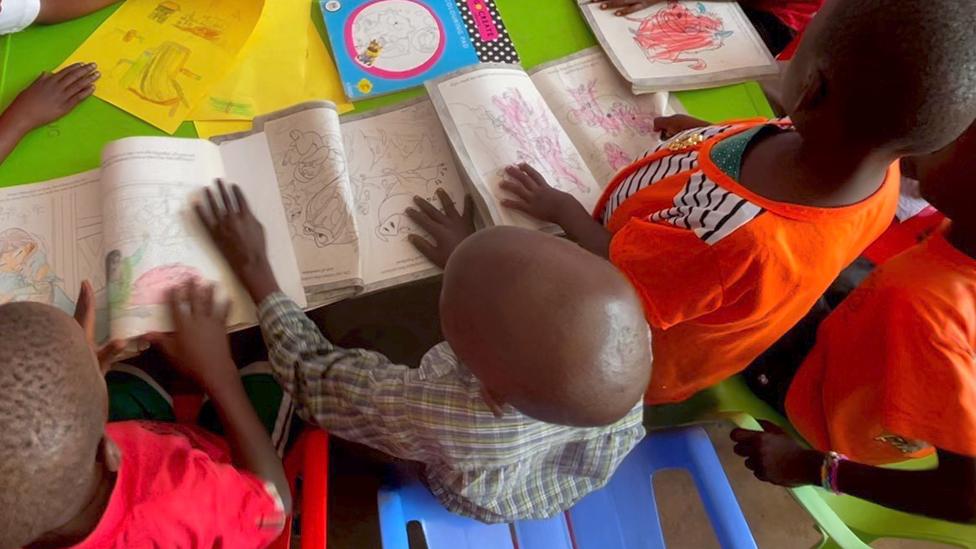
537, 136
153, 286
609, 113
616, 156
672, 34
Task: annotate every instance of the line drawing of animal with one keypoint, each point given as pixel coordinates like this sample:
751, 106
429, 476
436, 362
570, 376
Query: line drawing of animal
392, 218
327, 221
616, 156
673, 34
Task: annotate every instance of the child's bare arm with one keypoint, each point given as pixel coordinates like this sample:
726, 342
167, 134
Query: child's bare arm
199, 348
535, 197
56, 11
49, 98
947, 492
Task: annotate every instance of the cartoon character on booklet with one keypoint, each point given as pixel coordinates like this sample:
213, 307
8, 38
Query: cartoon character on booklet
370, 54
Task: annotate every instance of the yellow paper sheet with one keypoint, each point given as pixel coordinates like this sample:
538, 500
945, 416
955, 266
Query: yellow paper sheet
266, 72
276, 80
160, 57
210, 128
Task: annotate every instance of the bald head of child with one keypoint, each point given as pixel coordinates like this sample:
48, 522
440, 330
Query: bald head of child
53, 409
546, 327
896, 76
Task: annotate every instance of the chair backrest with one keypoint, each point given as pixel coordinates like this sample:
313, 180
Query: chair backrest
624, 513
412, 501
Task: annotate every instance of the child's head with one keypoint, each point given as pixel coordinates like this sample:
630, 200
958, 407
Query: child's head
546, 326
16, 248
53, 409
946, 178
890, 76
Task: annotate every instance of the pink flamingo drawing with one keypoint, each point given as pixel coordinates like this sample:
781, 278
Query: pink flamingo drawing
671, 34
589, 112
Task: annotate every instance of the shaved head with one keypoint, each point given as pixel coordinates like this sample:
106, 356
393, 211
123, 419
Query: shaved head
546, 326
53, 409
895, 75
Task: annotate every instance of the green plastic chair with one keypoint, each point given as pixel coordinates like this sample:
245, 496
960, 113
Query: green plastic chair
846, 522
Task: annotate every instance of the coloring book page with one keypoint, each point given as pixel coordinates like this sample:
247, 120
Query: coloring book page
159, 57
153, 241
51, 241
393, 156
495, 117
682, 44
313, 179
610, 125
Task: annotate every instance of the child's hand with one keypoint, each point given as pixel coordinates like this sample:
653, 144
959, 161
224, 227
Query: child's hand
52, 96
109, 353
448, 229
624, 7
536, 197
240, 238
669, 126
198, 346
775, 457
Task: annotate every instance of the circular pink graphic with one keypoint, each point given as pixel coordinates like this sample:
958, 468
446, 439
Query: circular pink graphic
395, 39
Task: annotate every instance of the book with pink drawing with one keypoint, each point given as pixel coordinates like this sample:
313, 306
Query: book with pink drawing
681, 44
575, 120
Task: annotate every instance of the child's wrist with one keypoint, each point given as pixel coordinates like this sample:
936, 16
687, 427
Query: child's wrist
259, 281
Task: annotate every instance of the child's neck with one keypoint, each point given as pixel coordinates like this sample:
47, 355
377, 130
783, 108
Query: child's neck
84, 523
786, 168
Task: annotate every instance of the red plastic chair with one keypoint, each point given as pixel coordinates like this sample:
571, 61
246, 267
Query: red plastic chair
308, 459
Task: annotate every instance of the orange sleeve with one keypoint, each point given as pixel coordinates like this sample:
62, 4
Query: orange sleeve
675, 273
929, 376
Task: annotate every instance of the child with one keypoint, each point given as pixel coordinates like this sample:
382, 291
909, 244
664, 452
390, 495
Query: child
778, 22
69, 479
892, 375
51, 96
731, 233
531, 404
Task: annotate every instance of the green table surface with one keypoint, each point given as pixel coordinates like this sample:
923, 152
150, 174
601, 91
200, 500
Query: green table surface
74, 143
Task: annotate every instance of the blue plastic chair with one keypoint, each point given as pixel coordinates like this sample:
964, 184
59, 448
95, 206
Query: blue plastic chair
622, 515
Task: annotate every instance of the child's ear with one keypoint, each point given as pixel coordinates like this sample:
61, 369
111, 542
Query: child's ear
109, 454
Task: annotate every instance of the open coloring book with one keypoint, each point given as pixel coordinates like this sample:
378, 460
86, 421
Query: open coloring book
330, 192
575, 120
680, 45
334, 219
130, 229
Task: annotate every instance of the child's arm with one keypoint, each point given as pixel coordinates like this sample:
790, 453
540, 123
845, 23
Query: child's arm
56, 11
537, 198
198, 347
49, 98
947, 492
341, 390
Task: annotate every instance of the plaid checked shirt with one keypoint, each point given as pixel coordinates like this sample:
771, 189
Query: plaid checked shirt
489, 468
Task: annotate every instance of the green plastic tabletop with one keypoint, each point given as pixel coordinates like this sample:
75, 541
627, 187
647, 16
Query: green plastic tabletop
74, 143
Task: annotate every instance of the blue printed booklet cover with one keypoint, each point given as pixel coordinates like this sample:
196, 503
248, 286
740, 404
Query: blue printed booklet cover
384, 46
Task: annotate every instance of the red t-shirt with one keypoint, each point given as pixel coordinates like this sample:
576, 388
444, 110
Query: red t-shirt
796, 14
176, 488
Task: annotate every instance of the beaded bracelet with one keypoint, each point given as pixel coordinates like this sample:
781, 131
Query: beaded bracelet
828, 471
